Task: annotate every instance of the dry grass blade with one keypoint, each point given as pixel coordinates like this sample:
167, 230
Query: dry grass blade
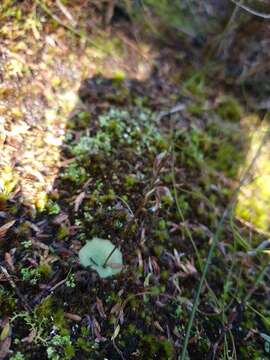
250, 10
78, 201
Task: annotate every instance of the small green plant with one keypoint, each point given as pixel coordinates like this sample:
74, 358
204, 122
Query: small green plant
60, 347
102, 256
75, 173
17, 356
70, 282
52, 207
31, 275
92, 145
27, 244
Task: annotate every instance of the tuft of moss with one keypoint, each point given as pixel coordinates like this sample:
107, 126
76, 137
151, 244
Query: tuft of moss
229, 109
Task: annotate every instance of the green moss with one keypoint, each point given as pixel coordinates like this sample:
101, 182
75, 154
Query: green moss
130, 180
196, 108
84, 344
60, 346
110, 196
162, 232
164, 275
157, 347
75, 173
223, 159
162, 225
8, 303
80, 120
167, 200
229, 109
45, 270
162, 235
195, 84
45, 309
52, 207
50, 314
62, 232
158, 249
87, 145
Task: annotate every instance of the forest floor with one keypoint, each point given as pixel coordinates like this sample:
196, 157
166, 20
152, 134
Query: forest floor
113, 136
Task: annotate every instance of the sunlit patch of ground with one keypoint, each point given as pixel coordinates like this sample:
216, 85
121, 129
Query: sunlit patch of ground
253, 203
41, 74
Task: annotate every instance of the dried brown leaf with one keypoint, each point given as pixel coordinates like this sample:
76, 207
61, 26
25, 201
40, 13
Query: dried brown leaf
4, 347
4, 228
73, 317
155, 266
158, 326
79, 200
97, 329
30, 338
59, 219
6, 330
188, 269
100, 308
116, 332
115, 310
9, 261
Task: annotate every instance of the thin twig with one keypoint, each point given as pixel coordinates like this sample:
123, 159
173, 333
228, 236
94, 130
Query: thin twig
118, 350
57, 285
175, 109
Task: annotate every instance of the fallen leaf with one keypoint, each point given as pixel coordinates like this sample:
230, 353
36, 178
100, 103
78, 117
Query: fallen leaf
4, 228
158, 326
116, 309
73, 317
116, 332
29, 339
9, 261
96, 330
4, 347
59, 219
100, 308
5, 331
